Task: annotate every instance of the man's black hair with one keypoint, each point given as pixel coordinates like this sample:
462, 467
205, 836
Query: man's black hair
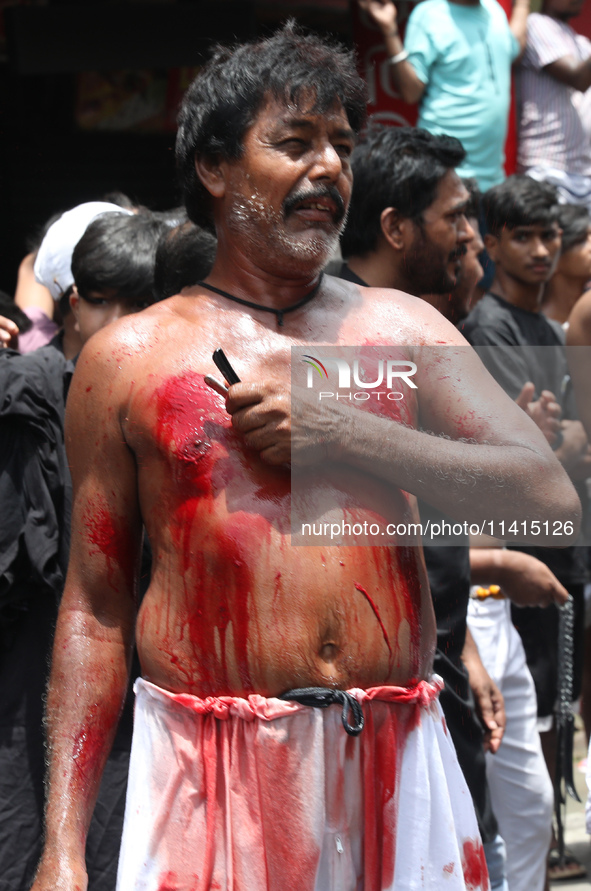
184, 256
519, 201
224, 99
118, 251
473, 206
119, 198
10, 310
574, 220
397, 167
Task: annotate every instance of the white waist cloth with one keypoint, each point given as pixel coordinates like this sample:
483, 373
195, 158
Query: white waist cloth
267, 795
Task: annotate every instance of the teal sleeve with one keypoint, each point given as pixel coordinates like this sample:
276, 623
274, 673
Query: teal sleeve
419, 45
515, 47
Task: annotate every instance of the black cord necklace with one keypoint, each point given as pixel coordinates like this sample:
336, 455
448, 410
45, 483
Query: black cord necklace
278, 313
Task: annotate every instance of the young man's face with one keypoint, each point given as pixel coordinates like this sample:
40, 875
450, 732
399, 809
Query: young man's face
576, 262
99, 308
286, 198
434, 259
528, 254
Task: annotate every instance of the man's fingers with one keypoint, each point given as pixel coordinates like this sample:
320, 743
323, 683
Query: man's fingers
8, 330
560, 594
263, 437
499, 710
551, 407
548, 396
485, 707
255, 417
276, 455
526, 395
245, 394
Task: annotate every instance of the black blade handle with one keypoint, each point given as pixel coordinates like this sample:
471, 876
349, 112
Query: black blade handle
221, 361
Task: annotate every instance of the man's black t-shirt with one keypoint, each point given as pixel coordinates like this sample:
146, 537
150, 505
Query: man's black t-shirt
495, 328
519, 346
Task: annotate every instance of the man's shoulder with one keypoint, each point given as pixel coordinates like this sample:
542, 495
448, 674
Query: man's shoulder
128, 339
495, 322
546, 36
539, 23
397, 316
491, 321
368, 297
428, 11
125, 351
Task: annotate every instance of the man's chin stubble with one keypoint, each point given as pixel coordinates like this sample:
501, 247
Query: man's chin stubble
289, 250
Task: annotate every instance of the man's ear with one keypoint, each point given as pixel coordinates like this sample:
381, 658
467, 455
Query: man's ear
491, 243
395, 228
75, 305
211, 174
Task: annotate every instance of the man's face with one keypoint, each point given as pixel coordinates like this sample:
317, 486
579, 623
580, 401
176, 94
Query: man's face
434, 260
576, 262
563, 9
460, 299
528, 254
286, 198
99, 308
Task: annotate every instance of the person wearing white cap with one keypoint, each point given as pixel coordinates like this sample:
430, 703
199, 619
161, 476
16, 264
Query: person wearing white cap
113, 264
53, 264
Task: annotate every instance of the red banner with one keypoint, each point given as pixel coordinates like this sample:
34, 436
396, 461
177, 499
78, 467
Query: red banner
385, 105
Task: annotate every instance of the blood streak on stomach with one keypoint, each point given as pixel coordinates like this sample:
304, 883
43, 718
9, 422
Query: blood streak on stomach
233, 608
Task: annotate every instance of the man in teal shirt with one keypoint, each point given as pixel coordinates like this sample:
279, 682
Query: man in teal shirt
456, 62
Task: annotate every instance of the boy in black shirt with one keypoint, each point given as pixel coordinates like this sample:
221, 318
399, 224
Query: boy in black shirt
524, 241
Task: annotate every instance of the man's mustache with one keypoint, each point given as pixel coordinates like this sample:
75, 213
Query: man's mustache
330, 192
459, 252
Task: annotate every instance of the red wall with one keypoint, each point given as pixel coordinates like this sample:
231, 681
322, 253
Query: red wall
385, 105
582, 23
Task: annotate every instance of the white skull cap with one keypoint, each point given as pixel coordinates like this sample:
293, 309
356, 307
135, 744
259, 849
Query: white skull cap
53, 264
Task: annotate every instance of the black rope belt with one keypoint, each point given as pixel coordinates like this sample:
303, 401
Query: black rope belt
322, 697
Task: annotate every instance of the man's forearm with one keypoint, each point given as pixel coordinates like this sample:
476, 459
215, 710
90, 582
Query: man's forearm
403, 74
467, 482
572, 72
518, 22
86, 692
385, 17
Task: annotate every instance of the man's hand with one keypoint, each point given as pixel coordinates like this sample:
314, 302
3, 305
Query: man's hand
404, 77
573, 453
383, 13
490, 704
8, 333
284, 427
261, 414
525, 580
545, 411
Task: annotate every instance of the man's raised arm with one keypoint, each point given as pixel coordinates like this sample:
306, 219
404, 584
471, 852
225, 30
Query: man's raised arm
94, 632
384, 15
478, 458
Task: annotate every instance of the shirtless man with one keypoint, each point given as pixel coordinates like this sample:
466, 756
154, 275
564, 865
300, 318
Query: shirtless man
231, 786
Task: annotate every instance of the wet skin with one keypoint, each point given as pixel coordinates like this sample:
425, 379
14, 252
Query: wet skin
233, 608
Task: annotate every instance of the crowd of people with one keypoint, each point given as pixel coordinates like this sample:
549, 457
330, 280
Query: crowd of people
226, 709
